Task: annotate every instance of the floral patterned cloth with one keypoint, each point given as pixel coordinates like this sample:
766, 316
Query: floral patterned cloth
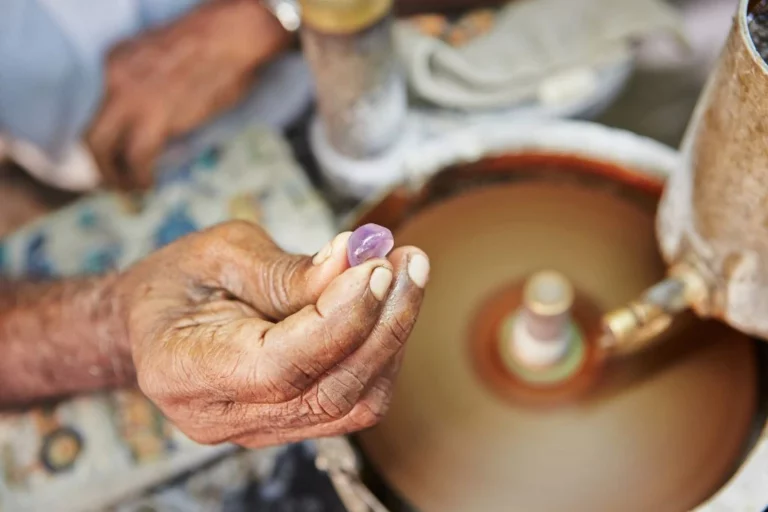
96, 450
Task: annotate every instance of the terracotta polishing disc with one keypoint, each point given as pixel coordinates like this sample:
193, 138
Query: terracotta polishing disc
660, 431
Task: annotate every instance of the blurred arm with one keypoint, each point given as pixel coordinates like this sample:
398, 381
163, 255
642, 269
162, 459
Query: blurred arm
52, 59
60, 338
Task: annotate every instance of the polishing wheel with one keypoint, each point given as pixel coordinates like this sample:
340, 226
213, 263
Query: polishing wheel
484, 419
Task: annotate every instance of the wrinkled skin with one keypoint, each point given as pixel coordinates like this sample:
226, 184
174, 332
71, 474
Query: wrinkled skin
237, 341
166, 83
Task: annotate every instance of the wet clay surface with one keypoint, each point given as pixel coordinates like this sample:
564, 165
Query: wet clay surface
484, 341
450, 444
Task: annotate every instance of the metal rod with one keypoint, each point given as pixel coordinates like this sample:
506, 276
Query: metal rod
542, 332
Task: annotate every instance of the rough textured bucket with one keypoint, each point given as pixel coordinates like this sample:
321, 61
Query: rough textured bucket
714, 214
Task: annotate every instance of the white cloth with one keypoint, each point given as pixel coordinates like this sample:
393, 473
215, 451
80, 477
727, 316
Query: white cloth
534, 48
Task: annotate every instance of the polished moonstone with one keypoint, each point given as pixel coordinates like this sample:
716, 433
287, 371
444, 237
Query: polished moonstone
368, 242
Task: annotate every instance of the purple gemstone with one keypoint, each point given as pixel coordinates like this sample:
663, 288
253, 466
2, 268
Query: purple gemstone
369, 242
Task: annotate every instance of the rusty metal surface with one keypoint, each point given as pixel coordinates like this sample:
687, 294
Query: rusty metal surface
715, 210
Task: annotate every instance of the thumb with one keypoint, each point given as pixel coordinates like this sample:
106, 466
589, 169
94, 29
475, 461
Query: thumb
279, 284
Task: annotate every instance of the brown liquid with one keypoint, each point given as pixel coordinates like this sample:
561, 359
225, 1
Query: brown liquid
662, 431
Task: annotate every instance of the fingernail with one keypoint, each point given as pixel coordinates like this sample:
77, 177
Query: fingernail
339, 243
323, 254
418, 270
381, 278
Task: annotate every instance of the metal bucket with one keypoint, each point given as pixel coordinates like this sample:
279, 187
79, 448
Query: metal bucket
713, 215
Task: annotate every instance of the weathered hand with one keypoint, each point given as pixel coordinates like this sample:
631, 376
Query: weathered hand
166, 83
237, 341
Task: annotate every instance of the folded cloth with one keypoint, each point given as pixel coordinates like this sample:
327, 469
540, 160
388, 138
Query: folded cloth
532, 43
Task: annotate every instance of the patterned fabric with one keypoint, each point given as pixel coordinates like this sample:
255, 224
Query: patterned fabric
96, 449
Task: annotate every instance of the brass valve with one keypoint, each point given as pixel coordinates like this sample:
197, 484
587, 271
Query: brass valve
638, 324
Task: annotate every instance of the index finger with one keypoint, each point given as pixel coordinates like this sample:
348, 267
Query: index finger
105, 134
394, 326
144, 144
298, 350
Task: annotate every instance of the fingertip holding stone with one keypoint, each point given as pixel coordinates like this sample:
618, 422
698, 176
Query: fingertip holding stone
368, 242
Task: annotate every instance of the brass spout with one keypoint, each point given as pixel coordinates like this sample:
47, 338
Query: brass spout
639, 324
